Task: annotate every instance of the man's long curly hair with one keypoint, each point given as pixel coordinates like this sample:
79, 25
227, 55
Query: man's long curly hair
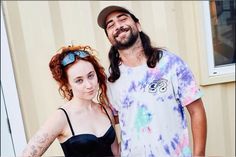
153, 54
59, 72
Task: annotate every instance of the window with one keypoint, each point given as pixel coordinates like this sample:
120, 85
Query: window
219, 22
223, 31
222, 20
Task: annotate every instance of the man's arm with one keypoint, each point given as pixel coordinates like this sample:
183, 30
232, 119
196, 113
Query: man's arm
198, 126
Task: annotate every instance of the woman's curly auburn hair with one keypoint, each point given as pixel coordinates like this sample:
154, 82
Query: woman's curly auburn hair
59, 72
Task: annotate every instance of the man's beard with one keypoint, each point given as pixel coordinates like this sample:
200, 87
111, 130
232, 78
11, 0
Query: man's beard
131, 39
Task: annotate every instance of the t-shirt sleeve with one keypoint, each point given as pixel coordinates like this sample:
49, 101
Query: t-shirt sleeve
187, 89
111, 98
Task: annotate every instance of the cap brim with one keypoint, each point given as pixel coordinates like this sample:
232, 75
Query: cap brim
101, 20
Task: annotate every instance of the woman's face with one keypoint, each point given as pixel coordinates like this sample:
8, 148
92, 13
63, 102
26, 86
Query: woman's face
83, 80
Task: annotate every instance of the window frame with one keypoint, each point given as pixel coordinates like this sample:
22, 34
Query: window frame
211, 74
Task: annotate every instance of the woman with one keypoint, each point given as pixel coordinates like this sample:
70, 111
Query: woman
82, 126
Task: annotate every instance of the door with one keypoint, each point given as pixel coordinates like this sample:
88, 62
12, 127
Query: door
13, 138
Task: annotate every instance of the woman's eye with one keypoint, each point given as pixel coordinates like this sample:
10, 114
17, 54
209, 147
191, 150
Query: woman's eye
90, 76
79, 81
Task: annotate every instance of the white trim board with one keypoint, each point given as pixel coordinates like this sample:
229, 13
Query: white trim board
10, 93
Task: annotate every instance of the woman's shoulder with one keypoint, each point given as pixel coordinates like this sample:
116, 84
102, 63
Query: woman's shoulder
104, 108
55, 123
108, 110
61, 113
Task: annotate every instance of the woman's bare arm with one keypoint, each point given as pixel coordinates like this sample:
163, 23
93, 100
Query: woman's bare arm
45, 136
38, 144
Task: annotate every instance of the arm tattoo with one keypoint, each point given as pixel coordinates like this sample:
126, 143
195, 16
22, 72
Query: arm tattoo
38, 145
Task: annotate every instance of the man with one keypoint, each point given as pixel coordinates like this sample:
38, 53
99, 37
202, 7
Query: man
148, 90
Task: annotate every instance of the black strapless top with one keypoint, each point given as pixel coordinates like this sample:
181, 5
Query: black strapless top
88, 145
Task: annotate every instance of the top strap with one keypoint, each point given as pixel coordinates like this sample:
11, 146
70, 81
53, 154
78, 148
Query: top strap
107, 113
72, 131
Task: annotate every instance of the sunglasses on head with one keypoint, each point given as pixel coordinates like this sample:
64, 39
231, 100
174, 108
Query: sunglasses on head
71, 56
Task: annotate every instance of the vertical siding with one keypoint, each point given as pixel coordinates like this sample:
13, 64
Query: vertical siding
37, 29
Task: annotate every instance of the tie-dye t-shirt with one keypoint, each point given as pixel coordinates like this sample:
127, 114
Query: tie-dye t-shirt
150, 103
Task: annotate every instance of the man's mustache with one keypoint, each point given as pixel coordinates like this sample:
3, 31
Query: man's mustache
120, 30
